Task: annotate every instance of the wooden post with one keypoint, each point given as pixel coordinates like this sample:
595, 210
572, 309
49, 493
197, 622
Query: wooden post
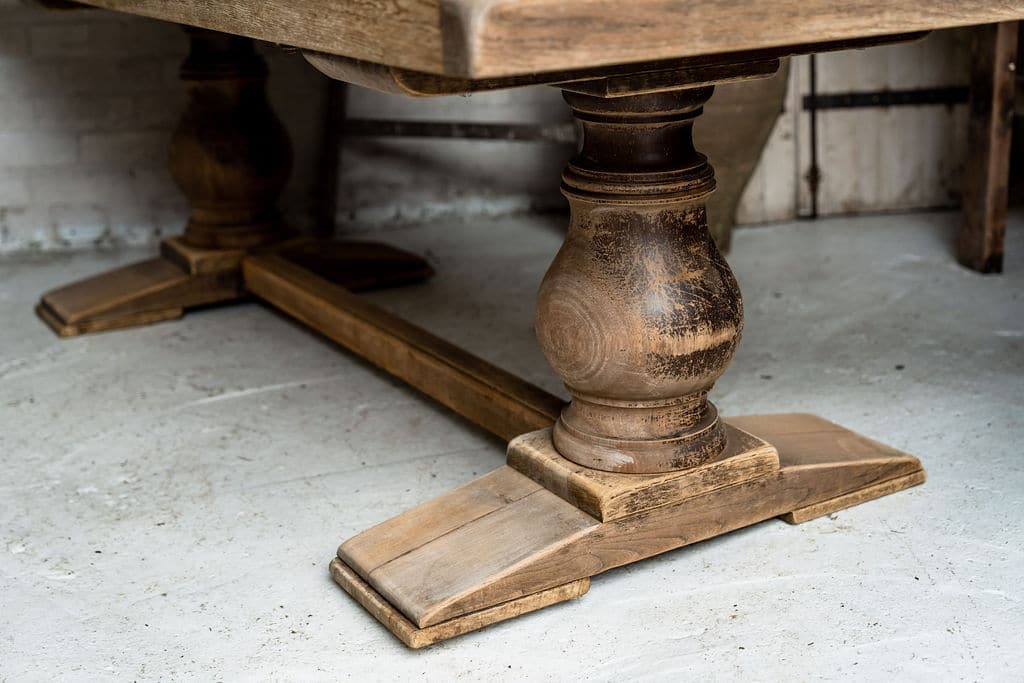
639, 314
986, 176
230, 154
231, 157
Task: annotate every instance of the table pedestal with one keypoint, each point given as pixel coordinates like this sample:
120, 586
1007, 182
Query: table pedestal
231, 157
532, 533
638, 314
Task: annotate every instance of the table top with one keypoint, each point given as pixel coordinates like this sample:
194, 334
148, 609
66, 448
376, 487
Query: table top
500, 38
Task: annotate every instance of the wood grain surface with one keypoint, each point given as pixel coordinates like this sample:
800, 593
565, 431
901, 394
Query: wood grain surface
639, 314
415, 637
495, 38
490, 397
608, 496
501, 537
607, 81
617, 80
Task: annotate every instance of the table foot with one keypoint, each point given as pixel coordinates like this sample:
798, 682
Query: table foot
183, 277
145, 292
416, 637
481, 552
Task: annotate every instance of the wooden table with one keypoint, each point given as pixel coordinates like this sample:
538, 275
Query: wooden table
639, 314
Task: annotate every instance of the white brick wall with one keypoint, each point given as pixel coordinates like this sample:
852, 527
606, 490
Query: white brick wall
88, 100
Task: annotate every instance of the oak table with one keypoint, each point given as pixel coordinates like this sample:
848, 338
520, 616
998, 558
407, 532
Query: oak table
638, 314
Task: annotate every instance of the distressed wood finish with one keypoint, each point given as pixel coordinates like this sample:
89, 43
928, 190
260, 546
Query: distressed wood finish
639, 313
601, 81
608, 495
230, 156
477, 39
504, 536
415, 638
488, 396
989, 133
604, 81
517, 36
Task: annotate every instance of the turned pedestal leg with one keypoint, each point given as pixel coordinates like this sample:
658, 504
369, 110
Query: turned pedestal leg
231, 157
638, 315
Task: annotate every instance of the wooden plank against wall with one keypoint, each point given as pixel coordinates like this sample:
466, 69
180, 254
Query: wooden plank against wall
990, 129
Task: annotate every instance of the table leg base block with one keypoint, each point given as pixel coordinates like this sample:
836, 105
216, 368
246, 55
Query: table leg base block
145, 292
416, 637
183, 277
506, 536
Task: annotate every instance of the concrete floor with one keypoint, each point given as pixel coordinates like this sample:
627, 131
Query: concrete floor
171, 495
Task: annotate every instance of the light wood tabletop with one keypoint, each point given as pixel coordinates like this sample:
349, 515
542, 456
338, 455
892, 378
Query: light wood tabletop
500, 38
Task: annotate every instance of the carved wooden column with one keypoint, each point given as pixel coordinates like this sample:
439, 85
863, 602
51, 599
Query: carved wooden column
639, 313
230, 154
231, 157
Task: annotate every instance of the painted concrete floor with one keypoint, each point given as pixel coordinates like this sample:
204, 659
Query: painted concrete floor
170, 496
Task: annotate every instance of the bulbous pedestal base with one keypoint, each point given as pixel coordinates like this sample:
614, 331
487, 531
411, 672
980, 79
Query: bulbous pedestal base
639, 313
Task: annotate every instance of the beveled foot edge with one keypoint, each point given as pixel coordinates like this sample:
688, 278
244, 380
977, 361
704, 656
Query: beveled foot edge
65, 329
137, 294
811, 446
509, 534
416, 638
827, 507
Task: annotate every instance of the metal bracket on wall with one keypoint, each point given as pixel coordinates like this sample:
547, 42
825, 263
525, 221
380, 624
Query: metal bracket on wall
886, 98
814, 101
